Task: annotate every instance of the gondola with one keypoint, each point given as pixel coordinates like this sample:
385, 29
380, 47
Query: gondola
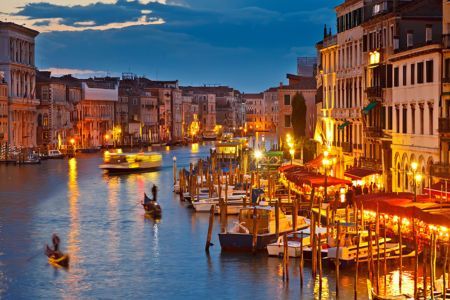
151, 207
57, 258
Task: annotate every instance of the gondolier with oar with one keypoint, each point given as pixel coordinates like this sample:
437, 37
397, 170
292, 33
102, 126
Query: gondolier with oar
154, 192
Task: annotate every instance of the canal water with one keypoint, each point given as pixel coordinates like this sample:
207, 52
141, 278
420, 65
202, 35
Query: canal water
117, 252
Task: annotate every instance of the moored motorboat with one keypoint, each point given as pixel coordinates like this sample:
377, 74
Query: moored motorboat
55, 154
240, 237
151, 207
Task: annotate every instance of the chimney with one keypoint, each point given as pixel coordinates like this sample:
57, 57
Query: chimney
410, 39
429, 33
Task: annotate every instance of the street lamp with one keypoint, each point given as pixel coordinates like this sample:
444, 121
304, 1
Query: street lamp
292, 153
258, 155
416, 178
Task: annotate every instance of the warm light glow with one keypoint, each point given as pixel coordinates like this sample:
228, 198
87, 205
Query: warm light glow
72, 141
258, 154
292, 152
106, 136
325, 154
342, 194
414, 166
374, 57
418, 177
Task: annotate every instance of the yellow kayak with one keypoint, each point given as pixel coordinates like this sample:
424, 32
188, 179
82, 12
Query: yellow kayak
62, 261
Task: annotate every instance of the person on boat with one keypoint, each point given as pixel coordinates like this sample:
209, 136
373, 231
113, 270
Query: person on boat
56, 241
154, 192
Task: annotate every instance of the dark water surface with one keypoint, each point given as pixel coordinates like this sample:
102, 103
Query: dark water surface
118, 253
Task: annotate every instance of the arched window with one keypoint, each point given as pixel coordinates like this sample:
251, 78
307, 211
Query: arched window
45, 120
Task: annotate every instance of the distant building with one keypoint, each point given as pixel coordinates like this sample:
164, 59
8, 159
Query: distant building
96, 111
54, 121
297, 85
306, 66
17, 63
271, 108
255, 110
3, 110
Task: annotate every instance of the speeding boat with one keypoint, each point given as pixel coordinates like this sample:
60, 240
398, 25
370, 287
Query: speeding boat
151, 207
131, 162
240, 237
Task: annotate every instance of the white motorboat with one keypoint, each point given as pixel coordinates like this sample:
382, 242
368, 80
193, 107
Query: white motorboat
234, 203
294, 243
54, 154
131, 162
348, 246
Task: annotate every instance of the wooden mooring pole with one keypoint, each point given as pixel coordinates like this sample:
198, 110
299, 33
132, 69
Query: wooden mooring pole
210, 228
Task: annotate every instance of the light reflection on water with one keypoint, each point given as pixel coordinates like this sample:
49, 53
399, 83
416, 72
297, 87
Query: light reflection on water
118, 252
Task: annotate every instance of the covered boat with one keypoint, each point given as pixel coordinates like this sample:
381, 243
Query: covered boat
151, 207
131, 162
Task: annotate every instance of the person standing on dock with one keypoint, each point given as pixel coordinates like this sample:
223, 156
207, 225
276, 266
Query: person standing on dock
154, 192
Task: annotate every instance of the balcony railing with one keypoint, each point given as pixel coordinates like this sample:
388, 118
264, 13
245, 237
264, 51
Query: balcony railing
346, 147
370, 163
440, 170
444, 125
374, 92
374, 132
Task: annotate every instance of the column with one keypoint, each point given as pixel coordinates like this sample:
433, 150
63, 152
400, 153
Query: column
426, 119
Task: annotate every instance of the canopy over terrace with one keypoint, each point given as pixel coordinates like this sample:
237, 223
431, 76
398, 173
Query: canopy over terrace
440, 189
316, 163
403, 205
299, 176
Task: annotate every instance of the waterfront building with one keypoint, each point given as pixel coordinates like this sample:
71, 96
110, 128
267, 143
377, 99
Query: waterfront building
206, 111
95, 111
3, 111
54, 121
17, 54
271, 108
345, 112
255, 110
296, 85
441, 169
388, 29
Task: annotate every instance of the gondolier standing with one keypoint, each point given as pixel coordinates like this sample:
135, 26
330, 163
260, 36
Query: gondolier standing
154, 192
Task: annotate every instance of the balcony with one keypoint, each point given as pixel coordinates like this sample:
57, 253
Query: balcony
374, 92
370, 163
440, 170
374, 132
346, 147
444, 125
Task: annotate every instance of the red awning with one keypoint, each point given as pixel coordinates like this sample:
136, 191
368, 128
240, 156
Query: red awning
314, 180
359, 173
402, 205
290, 168
317, 162
439, 189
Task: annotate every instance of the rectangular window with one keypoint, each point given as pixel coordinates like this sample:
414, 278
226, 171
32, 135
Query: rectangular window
287, 99
404, 75
398, 120
420, 72
421, 120
430, 118
413, 119
405, 120
390, 117
447, 70
287, 121
413, 73
396, 75
430, 70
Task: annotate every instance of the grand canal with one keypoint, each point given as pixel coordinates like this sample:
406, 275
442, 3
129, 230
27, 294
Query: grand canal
116, 252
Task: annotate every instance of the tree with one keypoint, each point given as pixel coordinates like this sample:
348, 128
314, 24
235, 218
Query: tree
298, 120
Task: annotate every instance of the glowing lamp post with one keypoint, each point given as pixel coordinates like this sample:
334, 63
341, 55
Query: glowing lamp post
417, 178
292, 153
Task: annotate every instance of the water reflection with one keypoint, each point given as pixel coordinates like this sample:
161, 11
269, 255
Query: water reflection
73, 246
194, 148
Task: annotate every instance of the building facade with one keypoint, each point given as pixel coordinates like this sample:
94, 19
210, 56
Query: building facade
17, 52
3, 111
297, 85
271, 109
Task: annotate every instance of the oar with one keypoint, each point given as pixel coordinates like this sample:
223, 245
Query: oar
35, 255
